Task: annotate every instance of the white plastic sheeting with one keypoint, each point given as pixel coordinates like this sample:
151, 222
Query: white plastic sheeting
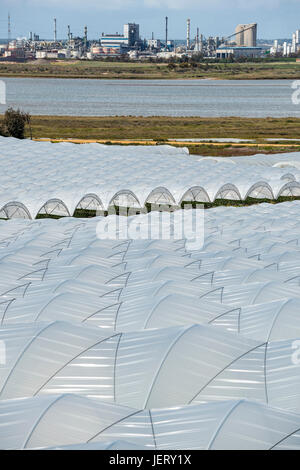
280, 160
56, 179
106, 336
245, 279
152, 369
74, 422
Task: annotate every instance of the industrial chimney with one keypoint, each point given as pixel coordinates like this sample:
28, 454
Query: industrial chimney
167, 31
188, 36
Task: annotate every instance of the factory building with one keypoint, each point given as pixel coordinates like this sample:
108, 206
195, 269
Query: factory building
246, 35
154, 44
46, 54
226, 52
120, 43
114, 41
53, 54
15, 50
132, 32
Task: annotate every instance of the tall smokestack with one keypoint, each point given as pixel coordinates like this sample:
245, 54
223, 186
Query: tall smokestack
167, 19
85, 38
69, 33
55, 31
197, 41
8, 30
188, 35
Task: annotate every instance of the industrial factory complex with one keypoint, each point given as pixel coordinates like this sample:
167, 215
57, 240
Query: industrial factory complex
242, 43
130, 44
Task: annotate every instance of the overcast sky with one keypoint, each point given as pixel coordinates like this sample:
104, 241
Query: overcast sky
276, 18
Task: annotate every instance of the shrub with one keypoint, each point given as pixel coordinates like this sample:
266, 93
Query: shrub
14, 123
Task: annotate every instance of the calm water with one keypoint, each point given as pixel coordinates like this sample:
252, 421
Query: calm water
250, 98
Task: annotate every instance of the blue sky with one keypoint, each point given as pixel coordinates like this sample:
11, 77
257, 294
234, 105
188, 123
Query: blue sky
276, 18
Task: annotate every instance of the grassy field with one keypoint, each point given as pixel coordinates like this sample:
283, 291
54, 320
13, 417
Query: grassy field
161, 129
112, 128
128, 70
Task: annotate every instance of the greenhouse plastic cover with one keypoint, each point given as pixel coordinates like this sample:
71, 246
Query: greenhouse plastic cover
46, 178
282, 160
62, 420
151, 343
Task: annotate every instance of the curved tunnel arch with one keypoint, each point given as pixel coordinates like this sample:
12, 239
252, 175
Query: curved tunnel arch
288, 177
90, 202
228, 191
260, 190
14, 210
54, 207
291, 189
125, 198
195, 194
287, 164
160, 195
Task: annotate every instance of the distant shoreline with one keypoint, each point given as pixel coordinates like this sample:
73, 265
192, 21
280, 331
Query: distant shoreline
70, 77
102, 70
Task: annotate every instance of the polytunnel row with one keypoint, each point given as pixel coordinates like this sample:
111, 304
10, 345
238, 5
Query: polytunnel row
91, 424
58, 179
225, 318
133, 285
159, 196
